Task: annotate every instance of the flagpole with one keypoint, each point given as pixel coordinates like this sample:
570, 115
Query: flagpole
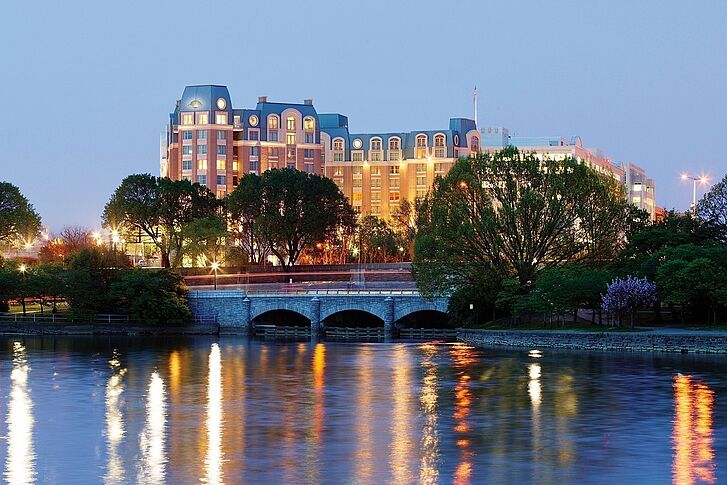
474, 99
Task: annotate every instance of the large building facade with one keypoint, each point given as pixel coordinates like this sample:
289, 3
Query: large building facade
210, 142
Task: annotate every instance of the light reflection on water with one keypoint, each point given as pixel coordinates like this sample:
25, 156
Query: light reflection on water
234, 411
20, 461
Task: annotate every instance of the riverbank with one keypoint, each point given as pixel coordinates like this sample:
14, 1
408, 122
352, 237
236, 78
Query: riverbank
661, 340
71, 329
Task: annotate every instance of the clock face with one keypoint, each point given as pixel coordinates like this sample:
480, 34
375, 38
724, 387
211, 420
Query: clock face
357, 143
221, 103
253, 120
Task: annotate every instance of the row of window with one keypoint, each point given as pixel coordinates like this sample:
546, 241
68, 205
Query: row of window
202, 135
202, 118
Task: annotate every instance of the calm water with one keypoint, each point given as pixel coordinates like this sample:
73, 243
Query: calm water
139, 410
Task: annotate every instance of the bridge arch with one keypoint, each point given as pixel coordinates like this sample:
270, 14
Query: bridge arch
424, 318
371, 307
259, 306
281, 317
352, 318
405, 308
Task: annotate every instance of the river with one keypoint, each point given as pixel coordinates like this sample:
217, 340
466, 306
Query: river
229, 410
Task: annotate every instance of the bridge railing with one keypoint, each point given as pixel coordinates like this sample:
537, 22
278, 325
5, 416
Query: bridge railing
293, 291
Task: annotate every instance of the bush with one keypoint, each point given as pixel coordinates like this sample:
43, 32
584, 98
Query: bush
151, 296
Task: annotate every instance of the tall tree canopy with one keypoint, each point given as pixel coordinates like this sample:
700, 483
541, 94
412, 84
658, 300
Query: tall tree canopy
294, 210
713, 208
162, 209
18, 218
244, 208
515, 214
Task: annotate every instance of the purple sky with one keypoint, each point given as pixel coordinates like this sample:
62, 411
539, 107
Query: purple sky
87, 86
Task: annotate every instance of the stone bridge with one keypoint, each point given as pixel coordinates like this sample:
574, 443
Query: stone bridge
236, 310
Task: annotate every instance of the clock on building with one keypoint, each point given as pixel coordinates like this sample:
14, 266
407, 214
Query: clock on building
253, 120
357, 143
221, 103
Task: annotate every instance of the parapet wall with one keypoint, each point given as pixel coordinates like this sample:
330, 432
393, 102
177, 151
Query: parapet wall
647, 341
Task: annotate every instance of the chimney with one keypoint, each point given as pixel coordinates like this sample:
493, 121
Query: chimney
308, 101
262, 99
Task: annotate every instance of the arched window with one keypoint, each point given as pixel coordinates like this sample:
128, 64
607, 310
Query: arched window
309, 124
394, 143
273, 125
338, 150
421, 146
475, 144
375, 154
290, 123
440, 150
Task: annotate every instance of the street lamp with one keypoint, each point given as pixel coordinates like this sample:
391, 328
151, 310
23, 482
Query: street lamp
702, 179
23, 268
215, 266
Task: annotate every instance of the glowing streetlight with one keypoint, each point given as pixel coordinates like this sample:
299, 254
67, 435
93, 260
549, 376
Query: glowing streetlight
702, 179
22, 268
215, 266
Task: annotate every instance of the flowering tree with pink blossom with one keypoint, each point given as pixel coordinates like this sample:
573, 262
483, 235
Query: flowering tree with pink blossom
628, 295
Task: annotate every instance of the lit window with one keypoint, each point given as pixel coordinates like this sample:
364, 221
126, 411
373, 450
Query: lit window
290, 138
338, 171
221, 194
187, 118
202, 164
357, 196
235, 166
273, 122
308, 124
375, 171
221, 164
236, 120
203, 118
291, 123
394, 169
393, 196
221, 118
421, 168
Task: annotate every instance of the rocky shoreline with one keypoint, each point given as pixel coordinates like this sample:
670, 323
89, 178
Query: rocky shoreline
647, 341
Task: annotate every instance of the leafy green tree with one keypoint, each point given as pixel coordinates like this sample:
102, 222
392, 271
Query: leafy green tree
712, 208
203, 238
18, 218
378, 242
298, 210
693, 277
515, 214
10, 281
88, 278
151, 296
161, 209
404, 220
244, 210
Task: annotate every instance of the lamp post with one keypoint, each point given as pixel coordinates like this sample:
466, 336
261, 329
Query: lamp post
215, 266
22, 268
702, 180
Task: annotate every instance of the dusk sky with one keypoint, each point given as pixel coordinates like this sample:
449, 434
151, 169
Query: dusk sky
88, 86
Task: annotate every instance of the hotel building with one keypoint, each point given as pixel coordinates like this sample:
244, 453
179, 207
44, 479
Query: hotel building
210, 142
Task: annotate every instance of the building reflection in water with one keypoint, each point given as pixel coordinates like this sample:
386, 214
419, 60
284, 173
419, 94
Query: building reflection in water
20, 459
213, 460
114, 421
403, 414
364, 417
463, 357
692, 433
152, 439
315, 437
429, 470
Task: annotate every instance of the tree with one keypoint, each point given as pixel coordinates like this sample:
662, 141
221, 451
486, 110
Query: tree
378, 242
628, 295
712, 208
18, 218
88, 278
298, 210
514, 214
151, 296
161, 208
203, 238
244, 209
404, 220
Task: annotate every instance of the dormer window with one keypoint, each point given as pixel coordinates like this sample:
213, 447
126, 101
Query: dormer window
290, 123
475, 144
338, 150
309, 124
187, 118
440, 150
421, 146
439, 141
221, 118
